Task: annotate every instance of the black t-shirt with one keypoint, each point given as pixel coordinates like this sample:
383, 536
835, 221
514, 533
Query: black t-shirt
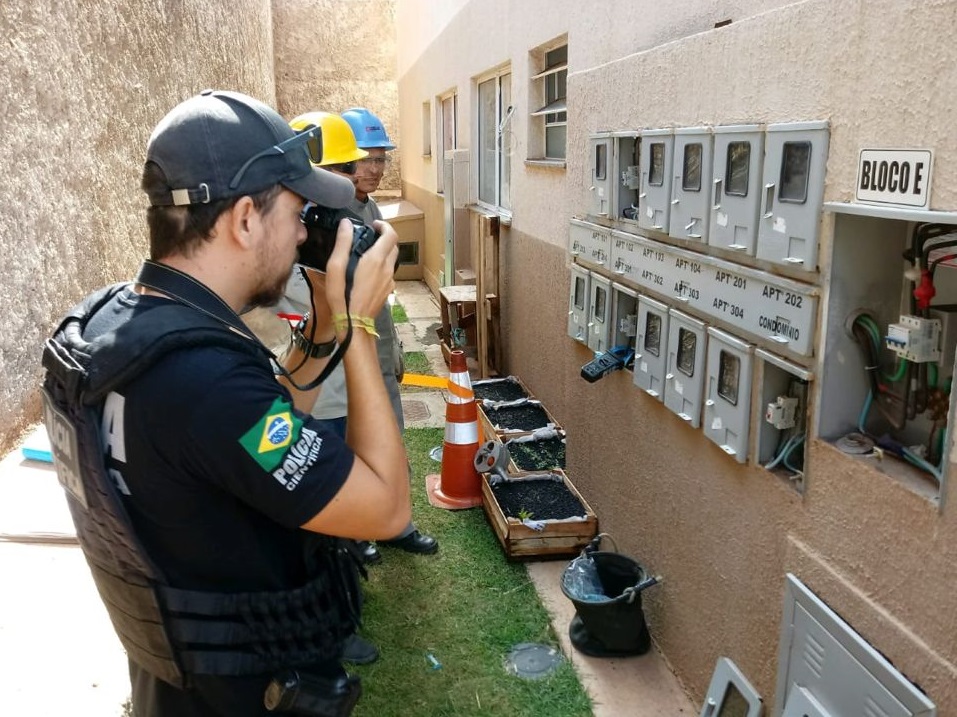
218, 471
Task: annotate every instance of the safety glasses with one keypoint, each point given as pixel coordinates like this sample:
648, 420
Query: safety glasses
376, 162
311, 137
344, 167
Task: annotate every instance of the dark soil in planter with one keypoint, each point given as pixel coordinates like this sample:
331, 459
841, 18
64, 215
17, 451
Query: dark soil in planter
518, 418
538, 455
542, 499
503, 390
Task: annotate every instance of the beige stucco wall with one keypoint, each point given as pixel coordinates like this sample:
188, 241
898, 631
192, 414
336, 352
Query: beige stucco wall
332, 55
723, 535
82, 86
81, 89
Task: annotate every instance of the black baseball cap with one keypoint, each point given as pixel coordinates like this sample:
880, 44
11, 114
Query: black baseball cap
222, 144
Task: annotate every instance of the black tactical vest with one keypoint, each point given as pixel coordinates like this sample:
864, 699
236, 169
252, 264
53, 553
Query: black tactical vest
170, 632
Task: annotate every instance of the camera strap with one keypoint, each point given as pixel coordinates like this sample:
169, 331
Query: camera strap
193, 293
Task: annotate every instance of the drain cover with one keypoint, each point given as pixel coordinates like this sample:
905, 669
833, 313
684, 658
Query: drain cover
532, 661
436, 454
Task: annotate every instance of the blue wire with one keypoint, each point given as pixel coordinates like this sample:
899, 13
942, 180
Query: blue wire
791, 450
864, 411
780, 456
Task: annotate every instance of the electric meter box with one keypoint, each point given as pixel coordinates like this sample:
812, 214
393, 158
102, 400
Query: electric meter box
624, 317
601, 180
651, 346
684, 378
690, 195
654, 199
795, 159
628, 180
579, 294
599, 314
780, 384
736, 195
589, 244
727, 407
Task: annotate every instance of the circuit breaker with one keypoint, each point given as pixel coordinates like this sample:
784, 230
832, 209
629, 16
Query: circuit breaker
579, 294
651, 346
601, 176
792, 194
599, 313
690, 195
624, 316
727, 406
684, 378
628, 179
736, 197
654, 197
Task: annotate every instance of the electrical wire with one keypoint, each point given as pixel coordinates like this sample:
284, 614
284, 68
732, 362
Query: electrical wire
787, 455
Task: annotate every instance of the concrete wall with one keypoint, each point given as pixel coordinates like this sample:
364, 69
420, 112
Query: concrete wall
82, 86
332, 55
722, 534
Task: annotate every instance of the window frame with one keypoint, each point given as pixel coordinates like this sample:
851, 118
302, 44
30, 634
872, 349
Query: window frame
549, 112
441, 136
504, 116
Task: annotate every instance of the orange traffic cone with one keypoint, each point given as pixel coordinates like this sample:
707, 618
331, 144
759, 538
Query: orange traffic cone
459, 485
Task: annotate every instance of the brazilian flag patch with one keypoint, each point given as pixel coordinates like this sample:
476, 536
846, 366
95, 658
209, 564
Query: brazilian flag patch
268, 440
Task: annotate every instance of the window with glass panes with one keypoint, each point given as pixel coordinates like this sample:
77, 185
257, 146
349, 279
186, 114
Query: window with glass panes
554, 112
495, 140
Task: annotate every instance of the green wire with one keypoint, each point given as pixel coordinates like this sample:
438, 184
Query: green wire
932, 375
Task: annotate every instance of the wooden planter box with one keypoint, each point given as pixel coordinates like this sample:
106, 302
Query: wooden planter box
511, 385
559, 538
513, 448
488, 419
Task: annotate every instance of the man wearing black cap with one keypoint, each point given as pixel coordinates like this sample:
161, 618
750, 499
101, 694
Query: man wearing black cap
202, 490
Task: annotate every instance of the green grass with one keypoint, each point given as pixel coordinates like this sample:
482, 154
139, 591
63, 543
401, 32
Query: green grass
468, 607
398, 314
418, 362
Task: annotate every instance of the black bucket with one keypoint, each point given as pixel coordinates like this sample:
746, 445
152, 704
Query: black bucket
614, 626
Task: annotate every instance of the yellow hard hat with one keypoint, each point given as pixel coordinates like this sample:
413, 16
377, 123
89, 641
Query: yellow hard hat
338, 145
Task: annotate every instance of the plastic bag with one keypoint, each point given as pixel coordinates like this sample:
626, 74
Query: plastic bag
582, 582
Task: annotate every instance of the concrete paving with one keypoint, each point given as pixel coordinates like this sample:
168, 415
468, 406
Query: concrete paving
60, 656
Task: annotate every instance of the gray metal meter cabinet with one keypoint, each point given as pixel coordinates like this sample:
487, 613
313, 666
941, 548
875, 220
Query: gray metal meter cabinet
690, 191
684, 377
727, 406
599, 314
589, 244
735, 191
628, 179
624, 317
578, 304
782, 389
654, 197
795, 159
651, 346
601, 180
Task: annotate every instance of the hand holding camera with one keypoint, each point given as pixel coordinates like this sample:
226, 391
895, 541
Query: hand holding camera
359, 262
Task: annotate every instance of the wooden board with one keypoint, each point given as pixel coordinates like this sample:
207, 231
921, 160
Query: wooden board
559, 539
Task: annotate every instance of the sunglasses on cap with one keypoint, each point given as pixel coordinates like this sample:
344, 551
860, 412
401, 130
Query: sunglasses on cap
311, 137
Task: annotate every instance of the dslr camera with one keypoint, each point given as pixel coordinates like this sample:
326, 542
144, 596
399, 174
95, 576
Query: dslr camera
322, 223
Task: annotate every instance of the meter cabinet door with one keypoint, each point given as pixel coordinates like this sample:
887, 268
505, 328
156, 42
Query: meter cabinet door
601, 176
578, 303
727, 408
684, 378
599, 313
651, 346
795, 160
690, 191
736, 195
654, 197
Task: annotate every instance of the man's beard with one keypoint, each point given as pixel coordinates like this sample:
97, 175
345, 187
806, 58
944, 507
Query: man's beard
269, 295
